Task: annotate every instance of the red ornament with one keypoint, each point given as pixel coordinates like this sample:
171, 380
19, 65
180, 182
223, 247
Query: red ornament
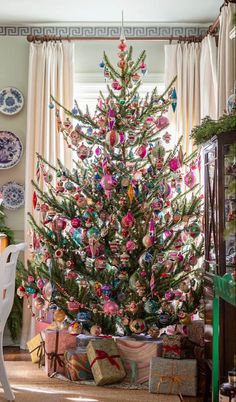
34, 199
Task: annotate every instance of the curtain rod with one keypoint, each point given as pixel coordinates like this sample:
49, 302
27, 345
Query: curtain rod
211, 30
48, 38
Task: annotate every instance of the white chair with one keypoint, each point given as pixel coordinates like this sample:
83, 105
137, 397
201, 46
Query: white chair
8, 260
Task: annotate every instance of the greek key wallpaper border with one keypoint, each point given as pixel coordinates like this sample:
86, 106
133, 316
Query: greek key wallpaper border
101, 31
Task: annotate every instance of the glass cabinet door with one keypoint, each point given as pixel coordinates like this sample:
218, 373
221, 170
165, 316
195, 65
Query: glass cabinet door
211, 259
229, 207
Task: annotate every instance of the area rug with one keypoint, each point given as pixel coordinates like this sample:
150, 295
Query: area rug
31, 384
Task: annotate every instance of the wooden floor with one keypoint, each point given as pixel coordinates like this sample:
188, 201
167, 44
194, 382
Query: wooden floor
103, 394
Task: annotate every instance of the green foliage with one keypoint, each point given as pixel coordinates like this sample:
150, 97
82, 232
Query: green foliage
14, 321
209, 128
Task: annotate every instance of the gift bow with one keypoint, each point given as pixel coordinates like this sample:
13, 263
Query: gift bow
40, 352
173, 379
172, 348
101, 355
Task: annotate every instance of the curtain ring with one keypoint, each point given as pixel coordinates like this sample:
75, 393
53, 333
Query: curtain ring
170, 41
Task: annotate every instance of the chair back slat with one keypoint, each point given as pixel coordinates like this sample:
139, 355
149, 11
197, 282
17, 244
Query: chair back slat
8, 260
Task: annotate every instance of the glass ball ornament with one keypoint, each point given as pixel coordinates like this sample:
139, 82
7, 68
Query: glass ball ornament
73, 305
84, 315
47, 291
75, 328
154, 332
39, 303
95, 330
151, 306
59, 315
106, 290
164, 319
110, 307
21, 291
137, 326
58, 224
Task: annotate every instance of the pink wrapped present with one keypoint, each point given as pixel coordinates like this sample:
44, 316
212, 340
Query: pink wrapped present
136, 356
56, 342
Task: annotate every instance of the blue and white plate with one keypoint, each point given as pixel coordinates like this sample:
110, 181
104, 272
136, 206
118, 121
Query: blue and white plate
13, 195
11, 100
11, 149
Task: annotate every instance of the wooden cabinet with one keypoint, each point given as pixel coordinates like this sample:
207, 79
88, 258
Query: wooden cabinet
220, 246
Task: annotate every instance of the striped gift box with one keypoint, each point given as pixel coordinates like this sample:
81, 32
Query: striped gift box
136, 356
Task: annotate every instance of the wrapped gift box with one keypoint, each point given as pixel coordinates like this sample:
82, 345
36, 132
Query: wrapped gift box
56, 342
172, 376
77, 366
105, 361
195, 332
136, 356
41, 326
174, 347
36, 348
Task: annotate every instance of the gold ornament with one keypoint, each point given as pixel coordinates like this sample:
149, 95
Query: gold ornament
154, 332
130, 193
59, 315
137, 326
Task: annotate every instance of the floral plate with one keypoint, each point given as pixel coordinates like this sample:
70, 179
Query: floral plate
11, 100
13, 195
11, 149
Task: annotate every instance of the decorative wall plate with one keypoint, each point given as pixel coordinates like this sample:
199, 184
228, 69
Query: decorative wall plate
11, 100
13, 195
11, 149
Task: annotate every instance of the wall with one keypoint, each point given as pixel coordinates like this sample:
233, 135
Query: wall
88, 54
14, 72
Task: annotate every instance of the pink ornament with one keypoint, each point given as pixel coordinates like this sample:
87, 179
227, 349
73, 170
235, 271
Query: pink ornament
122, 137
162, 122
142, 151
190, 179
100, 263
110, 307
149, 120
130, 245
116, 85
73, 306
107, 184
75, 222
166, 137
71, 275
128, 220
98, 151
83, 152
174, 164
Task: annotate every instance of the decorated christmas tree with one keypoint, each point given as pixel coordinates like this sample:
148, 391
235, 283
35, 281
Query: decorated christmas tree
118, 247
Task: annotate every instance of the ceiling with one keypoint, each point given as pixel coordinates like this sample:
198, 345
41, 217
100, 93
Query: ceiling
109, 11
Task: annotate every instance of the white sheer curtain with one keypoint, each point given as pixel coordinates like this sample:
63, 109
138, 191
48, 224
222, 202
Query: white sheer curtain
226, 58
183, 60
208, 78
51, 72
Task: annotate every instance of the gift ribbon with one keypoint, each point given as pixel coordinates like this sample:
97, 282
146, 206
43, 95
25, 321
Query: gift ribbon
101, 355
40, 352
54, 357
174, 348
173, 379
